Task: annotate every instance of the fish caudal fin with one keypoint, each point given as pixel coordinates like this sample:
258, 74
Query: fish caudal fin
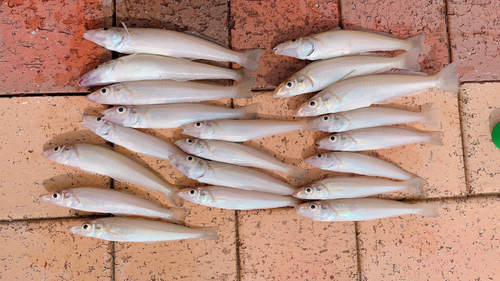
295, 202
177, 215
251, 111
251, 59
296, 172
429, 210
435, 138
418, 42
409, 60
415, 186
243, 75
431, 117
174, 199
448, 79
244, 90
210, 234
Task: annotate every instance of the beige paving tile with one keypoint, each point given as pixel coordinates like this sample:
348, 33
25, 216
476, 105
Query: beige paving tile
46, 250
462, 244
480, 113
29, 126
277, 244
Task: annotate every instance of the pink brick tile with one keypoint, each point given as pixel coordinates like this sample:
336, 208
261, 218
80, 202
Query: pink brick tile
42, 48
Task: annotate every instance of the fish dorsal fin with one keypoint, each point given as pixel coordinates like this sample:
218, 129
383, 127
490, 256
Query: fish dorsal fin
194, 33
126, 29
405, 72
336, 28
371, 54
377, 32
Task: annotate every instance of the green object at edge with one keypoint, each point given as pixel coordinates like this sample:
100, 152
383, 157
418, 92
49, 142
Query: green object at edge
495, 135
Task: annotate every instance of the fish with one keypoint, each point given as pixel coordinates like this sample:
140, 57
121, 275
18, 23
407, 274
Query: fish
217, 173
168, 91
169, 43
164, 116
357, 163
130, 138
337, 42
378, 138
235, 199
140, 230
372, 117
363, 91
138, 67
237, 154
96, 159
357, 187
99, 200
362, 209
242, 130
318, 75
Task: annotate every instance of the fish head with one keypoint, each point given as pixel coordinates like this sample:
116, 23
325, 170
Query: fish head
61, 154
192, 145
127, 116
100, 73
95, 228
199, 195
313, 210
200, 129
298, 48
339, 141
311, 191
291, 87
313, 107
323, 161
97, 125
109, 38
64, 198
192, 167
113, 94
330, 122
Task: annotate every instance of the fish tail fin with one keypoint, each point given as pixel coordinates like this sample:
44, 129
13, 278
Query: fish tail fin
435, 138
177, 215
415, 186
244, 90
306, 125
210, 233
243, 75
251, 59
174, 199
431, 117
251, 111
409, 60
429, 210
418, 42
296, 172
448, 78
295, 203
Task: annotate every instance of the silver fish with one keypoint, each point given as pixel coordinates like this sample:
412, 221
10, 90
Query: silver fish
242, 130
356, 163
169, 43
320, 74
140, 230
378, 138
356, 187
372, 117
216, 173
130, 138
168, 91
359, 92
164, 116
138, 67
99, 200
235, 199
362, 209
99, 160
237, 154
339, 42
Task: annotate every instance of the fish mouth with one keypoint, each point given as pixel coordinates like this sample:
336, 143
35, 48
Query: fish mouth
277, 51
82, 82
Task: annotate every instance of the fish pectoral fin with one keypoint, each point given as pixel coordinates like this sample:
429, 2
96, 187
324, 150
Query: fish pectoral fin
350, 74
341, 97
194, 33
126, 29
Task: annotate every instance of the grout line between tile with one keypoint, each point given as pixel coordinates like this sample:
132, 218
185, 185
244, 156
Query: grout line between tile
358, 255
113, 263
447, 24
339, 9
468, 188
237, 234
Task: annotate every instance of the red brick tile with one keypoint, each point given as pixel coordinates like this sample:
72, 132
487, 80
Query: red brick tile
474, 38
265, 24
30, 126
461, 244
42, 47
46, 250
403, 20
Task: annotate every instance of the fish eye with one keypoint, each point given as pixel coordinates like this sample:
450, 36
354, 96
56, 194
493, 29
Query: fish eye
326, 118
192, 192
120, 110
55, 195
85, 226
289, 84
320, 155
308, 190
189, 141
190, 158
332, 138
312, 103
198, 124
105, 28
56, 149
98, 119
96, 67
103, 90
313, 207
293, 40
